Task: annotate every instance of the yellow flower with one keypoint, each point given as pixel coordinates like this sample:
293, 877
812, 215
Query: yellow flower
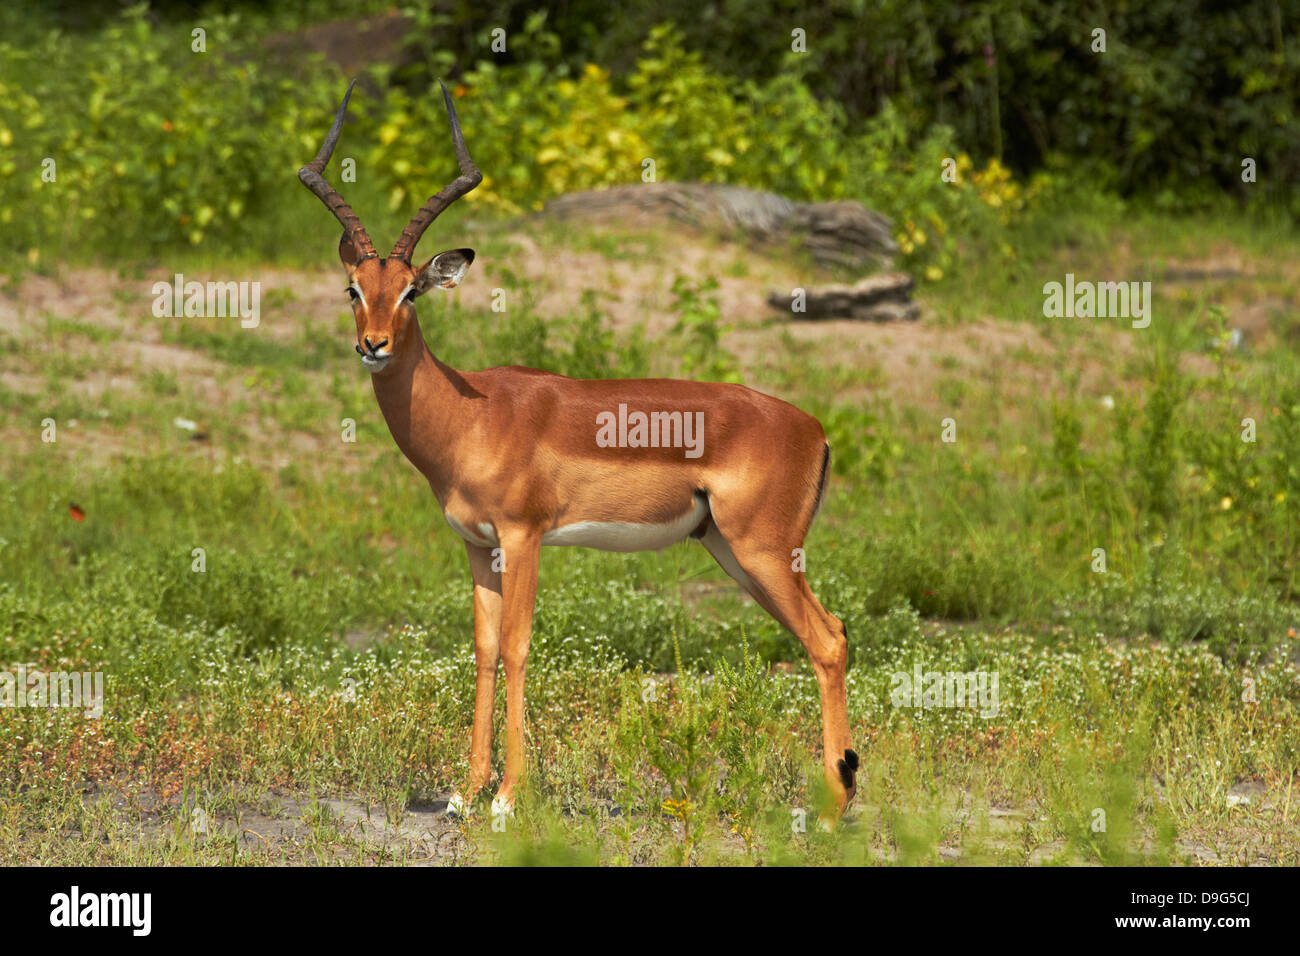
680, 809
933, 273
1226, 503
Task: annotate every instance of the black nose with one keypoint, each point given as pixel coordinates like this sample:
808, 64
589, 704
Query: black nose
373, 347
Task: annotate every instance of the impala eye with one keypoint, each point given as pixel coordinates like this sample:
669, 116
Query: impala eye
353, 293
409, 297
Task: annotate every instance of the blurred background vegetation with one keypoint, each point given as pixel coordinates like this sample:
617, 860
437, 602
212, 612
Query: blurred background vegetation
157, 146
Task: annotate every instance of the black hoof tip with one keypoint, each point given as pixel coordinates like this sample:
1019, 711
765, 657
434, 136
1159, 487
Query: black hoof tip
846, 775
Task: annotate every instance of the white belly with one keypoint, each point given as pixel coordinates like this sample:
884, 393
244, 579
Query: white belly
622, 536
603, 535
485, 536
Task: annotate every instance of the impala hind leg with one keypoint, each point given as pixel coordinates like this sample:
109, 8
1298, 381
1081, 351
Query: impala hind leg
766, 572
487, 657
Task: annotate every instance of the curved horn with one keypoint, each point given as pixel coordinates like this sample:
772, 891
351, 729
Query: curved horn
469, 178
311, 177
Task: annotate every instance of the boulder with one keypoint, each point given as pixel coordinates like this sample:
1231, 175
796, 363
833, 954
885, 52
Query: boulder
844, 234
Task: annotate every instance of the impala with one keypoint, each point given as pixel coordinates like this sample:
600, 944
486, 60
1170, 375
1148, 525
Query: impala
520, 458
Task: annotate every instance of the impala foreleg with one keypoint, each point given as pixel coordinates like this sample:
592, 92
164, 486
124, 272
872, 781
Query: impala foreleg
487, 656
520, 555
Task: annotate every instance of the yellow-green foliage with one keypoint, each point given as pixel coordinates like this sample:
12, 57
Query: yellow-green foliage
156, 146
533, 138
148, 143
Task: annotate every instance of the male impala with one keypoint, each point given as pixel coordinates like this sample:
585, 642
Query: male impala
520, 458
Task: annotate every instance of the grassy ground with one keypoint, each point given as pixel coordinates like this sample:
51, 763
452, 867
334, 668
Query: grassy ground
305, 696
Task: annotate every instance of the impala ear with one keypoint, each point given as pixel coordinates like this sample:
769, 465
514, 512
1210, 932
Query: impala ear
445, 270
347, 250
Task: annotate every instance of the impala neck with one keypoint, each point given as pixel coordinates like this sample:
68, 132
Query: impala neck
423, 401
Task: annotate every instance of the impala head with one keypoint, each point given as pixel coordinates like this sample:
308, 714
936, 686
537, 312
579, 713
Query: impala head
383, 291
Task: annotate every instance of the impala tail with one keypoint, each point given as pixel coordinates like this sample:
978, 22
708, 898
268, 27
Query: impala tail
821, 482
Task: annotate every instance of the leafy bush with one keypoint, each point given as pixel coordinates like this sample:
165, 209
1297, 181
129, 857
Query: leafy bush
156, 146
146, 145
1183, 92
534, 137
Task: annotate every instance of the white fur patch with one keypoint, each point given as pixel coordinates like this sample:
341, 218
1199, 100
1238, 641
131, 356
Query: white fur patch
602, 535
726, 558
484, 537
625, 536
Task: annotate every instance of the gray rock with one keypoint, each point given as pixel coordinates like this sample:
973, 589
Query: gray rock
843, 233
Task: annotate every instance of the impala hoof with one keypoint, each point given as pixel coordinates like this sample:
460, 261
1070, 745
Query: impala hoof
847, 767
502, 806
456, 807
